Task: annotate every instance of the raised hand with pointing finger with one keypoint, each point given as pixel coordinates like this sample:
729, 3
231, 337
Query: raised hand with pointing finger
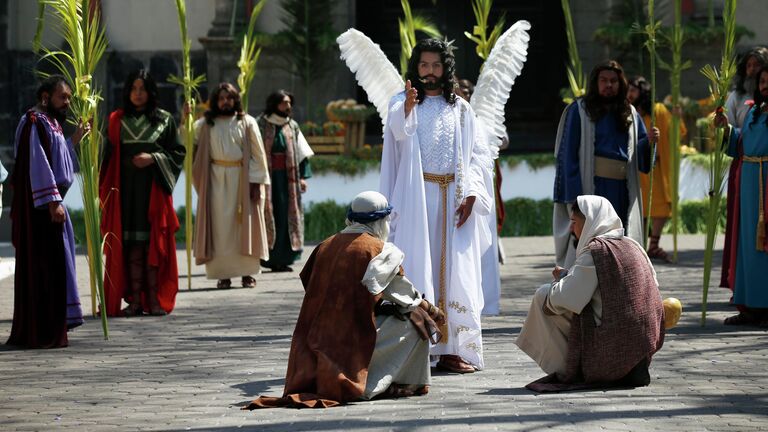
411, 95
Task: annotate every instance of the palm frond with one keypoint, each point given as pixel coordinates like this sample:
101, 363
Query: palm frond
249, 55
189, 83
719, 82
480, 35
576, 77
407, 27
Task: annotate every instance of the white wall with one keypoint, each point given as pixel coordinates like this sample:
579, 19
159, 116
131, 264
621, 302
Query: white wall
131, 25
153, 25
752, 14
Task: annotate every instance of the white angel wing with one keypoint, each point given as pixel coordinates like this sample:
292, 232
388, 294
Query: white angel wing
503, 66
374, 72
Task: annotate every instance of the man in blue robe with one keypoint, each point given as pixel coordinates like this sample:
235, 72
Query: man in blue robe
601, 147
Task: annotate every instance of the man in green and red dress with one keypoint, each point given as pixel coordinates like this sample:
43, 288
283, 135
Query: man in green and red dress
288, 156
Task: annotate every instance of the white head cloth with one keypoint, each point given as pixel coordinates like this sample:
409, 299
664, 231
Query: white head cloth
369, 202
601, 220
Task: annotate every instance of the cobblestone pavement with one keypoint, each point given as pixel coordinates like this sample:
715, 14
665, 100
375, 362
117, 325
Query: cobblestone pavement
194, 369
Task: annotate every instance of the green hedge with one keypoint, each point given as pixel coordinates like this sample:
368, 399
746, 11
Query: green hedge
524, 217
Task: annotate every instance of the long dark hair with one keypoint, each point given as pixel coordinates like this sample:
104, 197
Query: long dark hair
597, 107
449, 83
275, 99
48, 85
760, 54
758, 97
643, 102
213, 102
151, 109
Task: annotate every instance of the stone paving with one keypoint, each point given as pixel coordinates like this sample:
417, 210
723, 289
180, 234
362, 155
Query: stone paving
194, 369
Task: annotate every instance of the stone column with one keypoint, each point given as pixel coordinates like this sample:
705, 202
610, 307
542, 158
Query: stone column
222, 50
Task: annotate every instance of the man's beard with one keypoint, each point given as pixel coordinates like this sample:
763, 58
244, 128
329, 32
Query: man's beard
283, 114
575, 240
227, 111
59, 114
750, 86
431, 85
609, 100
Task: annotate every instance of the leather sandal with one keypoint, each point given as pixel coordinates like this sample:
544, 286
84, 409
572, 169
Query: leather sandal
655, 252
453, 363
224, 284
249, 282
132, 310
395, 391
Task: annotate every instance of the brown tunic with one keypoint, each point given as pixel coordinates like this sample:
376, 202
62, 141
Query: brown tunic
336, 331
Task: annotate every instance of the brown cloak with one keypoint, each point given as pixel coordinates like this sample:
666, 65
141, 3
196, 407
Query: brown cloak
336, 331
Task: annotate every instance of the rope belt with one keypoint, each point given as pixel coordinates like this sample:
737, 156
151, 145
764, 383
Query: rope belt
226, 163
443, 181
761, 200
610, 168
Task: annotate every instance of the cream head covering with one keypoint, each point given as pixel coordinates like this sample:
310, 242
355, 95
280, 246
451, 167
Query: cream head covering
601, 220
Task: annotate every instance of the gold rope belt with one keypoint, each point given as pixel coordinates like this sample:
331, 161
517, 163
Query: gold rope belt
226, 163
610, 168
761, 209
442, 180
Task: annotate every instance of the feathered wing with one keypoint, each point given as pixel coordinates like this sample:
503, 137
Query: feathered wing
373, 70
503, 66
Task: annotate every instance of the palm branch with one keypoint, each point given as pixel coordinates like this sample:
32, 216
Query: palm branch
480, 35
676, 40
189, 83
719, 82
408, 26
576, 78
249, 55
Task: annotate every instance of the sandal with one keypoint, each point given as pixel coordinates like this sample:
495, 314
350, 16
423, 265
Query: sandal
224, 284
132, 310
249, 282
655, 252
453, 363
743, 318
395, 391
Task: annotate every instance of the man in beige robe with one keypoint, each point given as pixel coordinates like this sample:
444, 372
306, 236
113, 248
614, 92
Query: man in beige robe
230, 173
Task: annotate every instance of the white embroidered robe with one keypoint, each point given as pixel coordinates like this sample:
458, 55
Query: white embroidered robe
416, 226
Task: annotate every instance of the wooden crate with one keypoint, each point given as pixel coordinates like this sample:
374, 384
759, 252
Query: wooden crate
326, 144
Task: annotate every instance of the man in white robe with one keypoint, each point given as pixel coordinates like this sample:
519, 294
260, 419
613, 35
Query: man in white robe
555, 306
230, 164
435, 176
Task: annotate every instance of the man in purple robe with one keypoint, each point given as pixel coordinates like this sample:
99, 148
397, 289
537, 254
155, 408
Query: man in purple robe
46, 302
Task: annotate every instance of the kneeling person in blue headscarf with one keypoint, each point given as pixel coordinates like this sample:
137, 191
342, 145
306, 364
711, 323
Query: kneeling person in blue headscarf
364, 330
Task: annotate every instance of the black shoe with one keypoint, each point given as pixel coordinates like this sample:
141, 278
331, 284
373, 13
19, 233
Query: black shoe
638, 376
